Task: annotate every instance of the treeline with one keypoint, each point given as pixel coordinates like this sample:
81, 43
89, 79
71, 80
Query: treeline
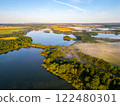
101, 64
109, 40
10, 45
43, 46
81, 76
86, 37
83, 33
21, 42
117, 32
81, 36
111, 26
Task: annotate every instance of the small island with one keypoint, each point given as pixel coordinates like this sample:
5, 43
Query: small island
68, 38
47, 31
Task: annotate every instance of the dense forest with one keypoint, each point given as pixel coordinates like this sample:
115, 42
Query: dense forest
10, 45
101, 64
82, 76
21, 42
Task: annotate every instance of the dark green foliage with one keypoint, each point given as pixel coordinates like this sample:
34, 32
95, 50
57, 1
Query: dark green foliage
81, 76
47, 31
10, 45
86, 36
109, 40
100, 63
57, 31
68, 38
81, 36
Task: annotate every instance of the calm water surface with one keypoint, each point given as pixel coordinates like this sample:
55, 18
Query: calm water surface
49, 38
111, 36
23, 69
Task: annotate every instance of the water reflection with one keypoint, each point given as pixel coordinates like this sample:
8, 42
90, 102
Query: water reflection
49, 38
111, 36
23, 70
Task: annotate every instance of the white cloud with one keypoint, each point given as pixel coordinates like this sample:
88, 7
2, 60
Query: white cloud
78, 8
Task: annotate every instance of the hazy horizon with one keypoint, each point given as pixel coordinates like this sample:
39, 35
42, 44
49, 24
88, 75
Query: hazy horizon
102, 23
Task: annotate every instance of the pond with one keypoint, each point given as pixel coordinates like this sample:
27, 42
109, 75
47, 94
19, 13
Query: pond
110, 36
49, 38
23, 69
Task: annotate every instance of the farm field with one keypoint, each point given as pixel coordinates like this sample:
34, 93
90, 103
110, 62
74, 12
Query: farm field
10, 30
9, 38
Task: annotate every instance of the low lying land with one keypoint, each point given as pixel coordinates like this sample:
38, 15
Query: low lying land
107, 51
9, 38
10, 29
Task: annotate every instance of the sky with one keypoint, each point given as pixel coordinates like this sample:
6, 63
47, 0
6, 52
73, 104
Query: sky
59, 11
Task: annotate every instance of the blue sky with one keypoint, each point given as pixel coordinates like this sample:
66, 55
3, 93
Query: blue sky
59, 11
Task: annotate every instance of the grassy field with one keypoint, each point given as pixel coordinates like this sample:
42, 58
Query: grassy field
10, 30
66, 29
10, 27
9, 38
109, 52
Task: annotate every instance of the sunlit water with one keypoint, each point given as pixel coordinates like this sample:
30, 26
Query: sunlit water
23, 69
49, 38
110, 36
